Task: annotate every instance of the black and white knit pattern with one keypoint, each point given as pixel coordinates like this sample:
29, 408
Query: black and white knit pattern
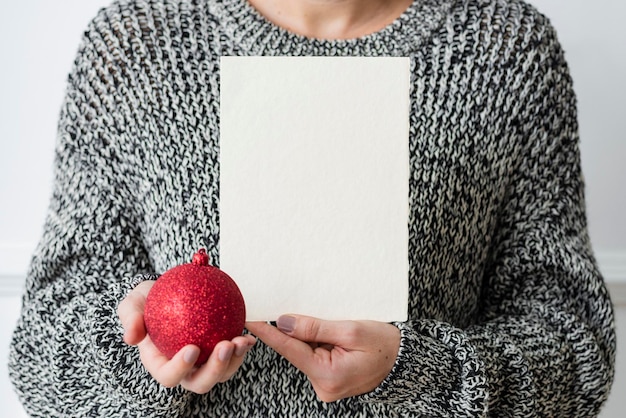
509, 316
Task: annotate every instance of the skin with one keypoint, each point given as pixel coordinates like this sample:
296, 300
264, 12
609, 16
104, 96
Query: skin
340, 358
331, 19
180, 370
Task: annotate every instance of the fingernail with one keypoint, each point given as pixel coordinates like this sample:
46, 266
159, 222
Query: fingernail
191, 355
225, 353
286, 323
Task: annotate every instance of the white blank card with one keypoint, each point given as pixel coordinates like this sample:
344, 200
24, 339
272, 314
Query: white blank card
314, 174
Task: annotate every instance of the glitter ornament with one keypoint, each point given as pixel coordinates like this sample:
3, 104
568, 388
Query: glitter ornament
194, 303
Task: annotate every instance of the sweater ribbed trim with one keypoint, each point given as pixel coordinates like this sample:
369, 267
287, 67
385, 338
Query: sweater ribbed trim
258, 36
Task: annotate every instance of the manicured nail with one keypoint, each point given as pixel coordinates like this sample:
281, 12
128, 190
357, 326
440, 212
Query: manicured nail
286, 323
191, 355
225, 353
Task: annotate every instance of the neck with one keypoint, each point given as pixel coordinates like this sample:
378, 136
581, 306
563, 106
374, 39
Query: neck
331, 19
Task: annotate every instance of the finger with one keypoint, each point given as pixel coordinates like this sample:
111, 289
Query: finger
243, 344
130, 312
168, 373
346, 334
213, 371
298, 353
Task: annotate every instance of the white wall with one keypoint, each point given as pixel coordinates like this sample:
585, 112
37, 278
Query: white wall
38, 40
593, 36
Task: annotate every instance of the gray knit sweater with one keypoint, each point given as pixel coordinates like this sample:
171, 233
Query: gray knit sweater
508, 313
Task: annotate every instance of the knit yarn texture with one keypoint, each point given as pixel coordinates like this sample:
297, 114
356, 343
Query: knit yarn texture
509, 315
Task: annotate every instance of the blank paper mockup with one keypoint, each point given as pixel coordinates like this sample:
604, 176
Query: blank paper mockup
314, 175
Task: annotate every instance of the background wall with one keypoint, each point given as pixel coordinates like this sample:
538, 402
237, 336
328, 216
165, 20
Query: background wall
38, 40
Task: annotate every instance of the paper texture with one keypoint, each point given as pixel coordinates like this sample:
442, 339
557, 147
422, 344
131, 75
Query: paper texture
314, 174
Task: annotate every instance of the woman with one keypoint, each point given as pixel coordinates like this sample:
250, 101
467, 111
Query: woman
508, 314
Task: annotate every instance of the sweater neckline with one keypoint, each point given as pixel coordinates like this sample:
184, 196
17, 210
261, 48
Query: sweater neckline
256, 35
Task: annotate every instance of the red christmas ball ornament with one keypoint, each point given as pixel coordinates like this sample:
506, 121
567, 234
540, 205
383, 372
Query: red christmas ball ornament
194, 303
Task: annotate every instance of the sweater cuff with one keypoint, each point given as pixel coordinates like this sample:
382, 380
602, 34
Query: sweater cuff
437, 373
123, 370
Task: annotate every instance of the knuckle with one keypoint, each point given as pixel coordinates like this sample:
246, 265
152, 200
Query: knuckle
310, 330
227, 376
352, 332
329, 391
203, 380
167, 382
195, 388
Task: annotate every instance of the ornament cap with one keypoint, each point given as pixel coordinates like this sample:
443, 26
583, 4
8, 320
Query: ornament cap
201, 258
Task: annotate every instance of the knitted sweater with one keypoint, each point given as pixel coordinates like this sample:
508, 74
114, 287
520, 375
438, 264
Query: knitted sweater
508, 314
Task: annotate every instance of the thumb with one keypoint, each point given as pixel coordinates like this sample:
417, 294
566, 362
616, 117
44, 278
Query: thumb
309, 329
130, 313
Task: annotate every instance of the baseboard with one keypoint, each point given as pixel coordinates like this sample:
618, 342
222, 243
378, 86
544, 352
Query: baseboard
11, 286
613, 267
14, 258
618, 293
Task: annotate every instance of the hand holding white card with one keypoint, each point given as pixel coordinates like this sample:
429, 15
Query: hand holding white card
314, 185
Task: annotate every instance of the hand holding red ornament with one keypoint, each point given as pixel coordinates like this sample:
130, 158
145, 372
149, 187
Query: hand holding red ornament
194, 313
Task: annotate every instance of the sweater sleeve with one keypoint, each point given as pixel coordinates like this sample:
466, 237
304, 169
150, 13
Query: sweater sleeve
544, 340
67, 357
